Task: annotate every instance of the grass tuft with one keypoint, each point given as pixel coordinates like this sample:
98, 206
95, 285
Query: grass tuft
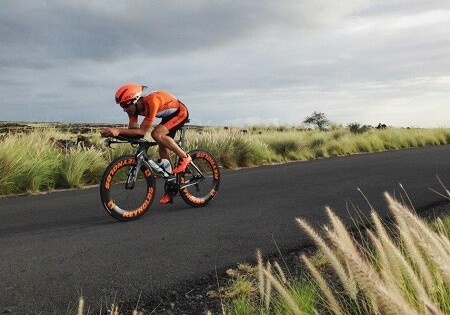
400, 271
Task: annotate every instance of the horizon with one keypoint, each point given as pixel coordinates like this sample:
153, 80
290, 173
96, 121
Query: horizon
300, 125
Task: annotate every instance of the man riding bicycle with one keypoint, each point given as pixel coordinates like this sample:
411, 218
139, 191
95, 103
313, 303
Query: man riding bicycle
159, 104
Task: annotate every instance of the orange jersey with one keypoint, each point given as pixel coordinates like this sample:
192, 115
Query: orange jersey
158, 104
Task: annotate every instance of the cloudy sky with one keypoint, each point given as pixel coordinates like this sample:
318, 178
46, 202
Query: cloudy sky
231, 62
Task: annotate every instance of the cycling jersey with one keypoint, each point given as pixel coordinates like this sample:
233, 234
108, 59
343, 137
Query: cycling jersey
163, 105
158, 104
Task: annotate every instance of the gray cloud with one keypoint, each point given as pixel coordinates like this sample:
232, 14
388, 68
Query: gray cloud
286, 59
105, 30
85, 30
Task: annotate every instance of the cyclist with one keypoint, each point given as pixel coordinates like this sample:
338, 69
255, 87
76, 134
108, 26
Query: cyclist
159, 104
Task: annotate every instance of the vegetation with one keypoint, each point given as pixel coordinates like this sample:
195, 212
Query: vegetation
397, 268
357, 128
318, 119
34, 161
30, 162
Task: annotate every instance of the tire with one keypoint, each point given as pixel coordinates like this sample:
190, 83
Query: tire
206, 187
126, 204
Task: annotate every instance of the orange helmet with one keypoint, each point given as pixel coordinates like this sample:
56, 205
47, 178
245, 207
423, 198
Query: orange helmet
129, 94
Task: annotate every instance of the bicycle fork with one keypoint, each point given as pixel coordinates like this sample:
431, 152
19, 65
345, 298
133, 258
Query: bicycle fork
133, 173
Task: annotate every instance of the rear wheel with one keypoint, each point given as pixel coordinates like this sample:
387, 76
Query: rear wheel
200, 181
124, 201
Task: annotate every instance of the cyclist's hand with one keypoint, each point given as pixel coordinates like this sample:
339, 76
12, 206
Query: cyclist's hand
109, 132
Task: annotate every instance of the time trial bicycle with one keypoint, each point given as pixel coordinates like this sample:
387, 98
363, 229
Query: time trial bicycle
128, 185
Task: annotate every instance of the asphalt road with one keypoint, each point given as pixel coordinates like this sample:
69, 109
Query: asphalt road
55, 247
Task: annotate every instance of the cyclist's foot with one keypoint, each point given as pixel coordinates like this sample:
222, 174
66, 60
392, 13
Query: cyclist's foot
166, 199
181, 167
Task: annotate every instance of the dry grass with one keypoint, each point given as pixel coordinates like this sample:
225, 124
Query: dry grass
406, 274
400, 268
53, 168
113, 309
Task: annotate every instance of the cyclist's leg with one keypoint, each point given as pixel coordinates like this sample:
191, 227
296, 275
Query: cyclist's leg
166, 143
165, 132
164, 153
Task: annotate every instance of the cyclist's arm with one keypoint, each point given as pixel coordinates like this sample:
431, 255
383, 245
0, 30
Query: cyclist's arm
133, 130
133, 122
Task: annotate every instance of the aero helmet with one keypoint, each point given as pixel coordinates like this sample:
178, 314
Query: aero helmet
129, 94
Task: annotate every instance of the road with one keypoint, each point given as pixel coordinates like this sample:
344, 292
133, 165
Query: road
58, 246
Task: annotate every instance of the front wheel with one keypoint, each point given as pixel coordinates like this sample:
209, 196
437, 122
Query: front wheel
122, 200
200, 181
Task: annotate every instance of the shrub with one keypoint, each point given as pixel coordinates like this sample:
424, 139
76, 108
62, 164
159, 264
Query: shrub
357, 128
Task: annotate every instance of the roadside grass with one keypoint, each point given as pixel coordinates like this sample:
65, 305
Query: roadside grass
80, 168
112, 309
27, 165
399, 267
231, 149
29, 162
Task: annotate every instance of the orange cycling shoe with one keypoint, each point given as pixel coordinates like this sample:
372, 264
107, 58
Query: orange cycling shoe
181, 167
166, 199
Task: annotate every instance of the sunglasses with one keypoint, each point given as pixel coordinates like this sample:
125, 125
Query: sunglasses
125, 105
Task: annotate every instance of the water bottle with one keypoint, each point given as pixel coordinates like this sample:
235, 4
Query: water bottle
165, 165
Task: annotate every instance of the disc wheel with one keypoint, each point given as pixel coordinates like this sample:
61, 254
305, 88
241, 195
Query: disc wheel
200, 181
123, 202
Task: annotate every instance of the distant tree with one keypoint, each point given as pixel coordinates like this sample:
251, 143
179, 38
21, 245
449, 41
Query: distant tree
317, 119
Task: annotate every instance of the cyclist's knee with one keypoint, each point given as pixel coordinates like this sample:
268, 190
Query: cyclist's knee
158, 133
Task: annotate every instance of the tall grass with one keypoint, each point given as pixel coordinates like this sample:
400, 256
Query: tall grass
27, 165
29, 162
262, 145
252, 290
399, 268
232, 150
305, 145
80, 168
